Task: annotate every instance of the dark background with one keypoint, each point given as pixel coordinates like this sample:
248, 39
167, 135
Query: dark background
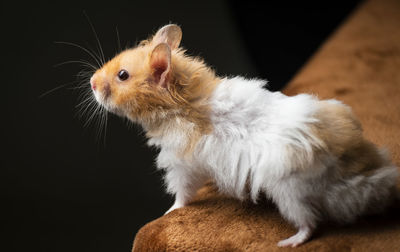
64, 187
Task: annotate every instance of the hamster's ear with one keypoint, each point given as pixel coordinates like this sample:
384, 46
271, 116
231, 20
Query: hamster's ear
160, 64
170, 34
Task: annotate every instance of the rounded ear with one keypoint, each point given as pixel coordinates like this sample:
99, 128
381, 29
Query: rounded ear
160, 64
170, 34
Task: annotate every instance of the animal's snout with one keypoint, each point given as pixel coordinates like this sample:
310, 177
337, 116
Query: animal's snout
93, 83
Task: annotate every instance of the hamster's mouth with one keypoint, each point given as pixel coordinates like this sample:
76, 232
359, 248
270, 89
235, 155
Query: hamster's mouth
99, 97
104, 101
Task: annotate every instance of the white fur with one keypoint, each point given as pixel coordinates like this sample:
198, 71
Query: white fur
261, 143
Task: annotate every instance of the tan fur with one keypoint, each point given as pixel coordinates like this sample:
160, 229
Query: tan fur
342, 136
182, 103
337, 127
192, 85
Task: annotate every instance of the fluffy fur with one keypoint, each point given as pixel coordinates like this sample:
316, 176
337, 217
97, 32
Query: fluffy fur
307, 155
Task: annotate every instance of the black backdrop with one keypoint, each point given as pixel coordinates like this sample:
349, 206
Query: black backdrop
64, 188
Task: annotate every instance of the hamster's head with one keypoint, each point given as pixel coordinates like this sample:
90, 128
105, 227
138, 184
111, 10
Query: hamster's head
138, 81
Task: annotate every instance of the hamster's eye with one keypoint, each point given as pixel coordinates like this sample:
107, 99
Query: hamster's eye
123, 75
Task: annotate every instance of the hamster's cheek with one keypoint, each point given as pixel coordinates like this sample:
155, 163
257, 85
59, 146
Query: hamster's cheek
119, 99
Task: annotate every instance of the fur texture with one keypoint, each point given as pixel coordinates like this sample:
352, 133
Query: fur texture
307, 155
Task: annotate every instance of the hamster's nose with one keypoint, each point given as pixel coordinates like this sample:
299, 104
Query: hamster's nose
92, 83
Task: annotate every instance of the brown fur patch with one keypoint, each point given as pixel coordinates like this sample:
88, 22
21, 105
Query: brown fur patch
191, 86
337, 127
342, 134
363, 158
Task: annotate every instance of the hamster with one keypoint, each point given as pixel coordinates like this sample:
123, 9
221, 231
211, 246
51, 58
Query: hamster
307, 155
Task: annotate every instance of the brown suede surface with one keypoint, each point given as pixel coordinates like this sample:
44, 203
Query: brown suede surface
360, 65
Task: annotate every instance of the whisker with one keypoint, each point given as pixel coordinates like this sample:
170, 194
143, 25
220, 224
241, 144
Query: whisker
97, 38
102, 125
118, 40
94, 113
84, 74
84, 101
54, 89
78, 87
95, 51
88, 110
86, 104
83, 48
105, 126
84, 63
85, 80
98, 122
